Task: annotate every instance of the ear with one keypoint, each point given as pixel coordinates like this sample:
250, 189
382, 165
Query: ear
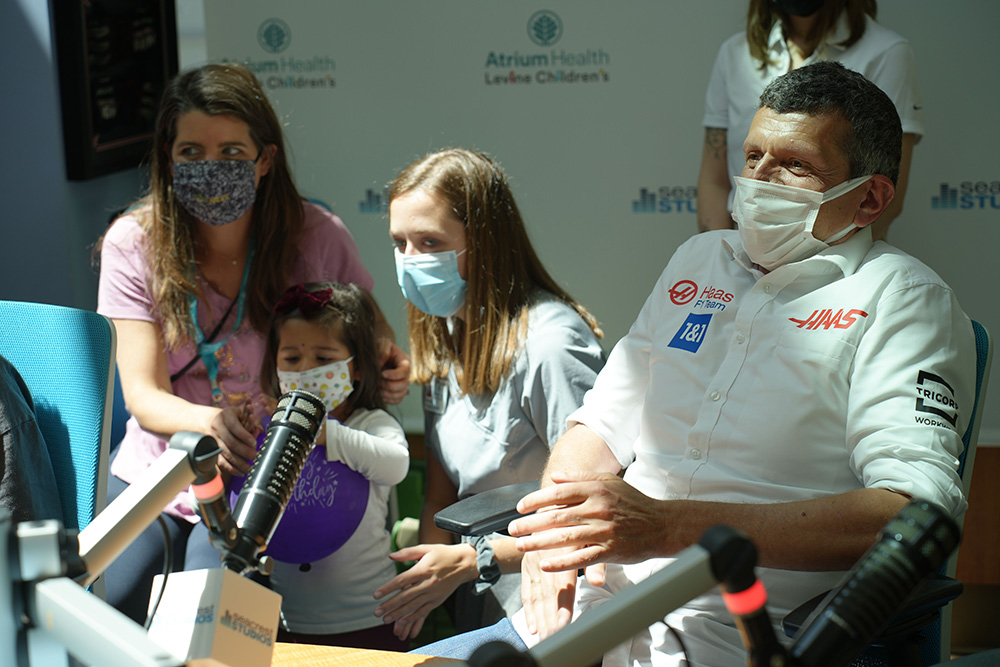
266, 157
880, 194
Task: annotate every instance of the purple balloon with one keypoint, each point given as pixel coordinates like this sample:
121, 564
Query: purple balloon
325, 509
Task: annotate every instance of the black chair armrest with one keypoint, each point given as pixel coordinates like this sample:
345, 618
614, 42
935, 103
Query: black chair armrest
921, 607
484, 513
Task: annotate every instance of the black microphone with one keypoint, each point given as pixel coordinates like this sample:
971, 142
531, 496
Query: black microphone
913, 546
288, 440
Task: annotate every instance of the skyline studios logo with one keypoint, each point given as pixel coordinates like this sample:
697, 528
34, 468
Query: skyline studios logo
967, 196
549, 64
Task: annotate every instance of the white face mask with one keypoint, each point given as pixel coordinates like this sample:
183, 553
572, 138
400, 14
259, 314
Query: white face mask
775, 221
331, 382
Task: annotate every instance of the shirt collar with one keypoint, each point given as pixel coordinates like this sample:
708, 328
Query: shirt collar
845, 257
778, 50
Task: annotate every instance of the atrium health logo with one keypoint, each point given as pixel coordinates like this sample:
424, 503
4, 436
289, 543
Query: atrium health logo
545, 28
274, 35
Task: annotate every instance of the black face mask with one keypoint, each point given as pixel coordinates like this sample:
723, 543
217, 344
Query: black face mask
798, 7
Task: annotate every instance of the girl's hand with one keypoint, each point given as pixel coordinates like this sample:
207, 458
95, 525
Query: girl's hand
439, 570
235, 429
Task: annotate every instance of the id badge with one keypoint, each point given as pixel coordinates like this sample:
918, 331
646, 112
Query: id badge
435, 396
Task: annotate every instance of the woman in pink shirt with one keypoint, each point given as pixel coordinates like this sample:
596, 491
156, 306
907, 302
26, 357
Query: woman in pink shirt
189, 276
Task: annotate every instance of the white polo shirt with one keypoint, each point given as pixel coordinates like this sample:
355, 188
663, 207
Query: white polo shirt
737, 81
852, 368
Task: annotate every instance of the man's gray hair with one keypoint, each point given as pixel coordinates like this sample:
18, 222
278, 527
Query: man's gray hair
874, 142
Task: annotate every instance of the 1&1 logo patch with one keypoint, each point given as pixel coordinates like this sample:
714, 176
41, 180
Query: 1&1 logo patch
691, 334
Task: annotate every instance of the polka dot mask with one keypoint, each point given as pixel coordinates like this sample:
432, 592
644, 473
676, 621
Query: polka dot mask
331, 383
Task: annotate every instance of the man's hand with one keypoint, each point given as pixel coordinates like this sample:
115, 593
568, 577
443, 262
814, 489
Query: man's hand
598, 517
395, 365
547, 596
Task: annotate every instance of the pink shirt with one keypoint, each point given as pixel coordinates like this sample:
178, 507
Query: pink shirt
327, 252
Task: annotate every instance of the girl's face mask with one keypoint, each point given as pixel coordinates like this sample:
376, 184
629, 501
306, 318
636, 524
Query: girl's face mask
330, 382
775, 221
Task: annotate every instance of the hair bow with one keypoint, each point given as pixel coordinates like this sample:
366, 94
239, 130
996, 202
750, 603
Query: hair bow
299, 298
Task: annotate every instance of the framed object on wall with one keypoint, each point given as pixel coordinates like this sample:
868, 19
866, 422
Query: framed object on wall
115, 56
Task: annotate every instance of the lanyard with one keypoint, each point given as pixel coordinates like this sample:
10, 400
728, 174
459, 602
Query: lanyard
207, 350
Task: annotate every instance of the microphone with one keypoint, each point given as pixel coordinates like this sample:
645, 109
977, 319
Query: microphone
287, 442
733, 559
913, 546
208, 487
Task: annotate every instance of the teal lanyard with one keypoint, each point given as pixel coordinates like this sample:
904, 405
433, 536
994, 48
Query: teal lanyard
207, 350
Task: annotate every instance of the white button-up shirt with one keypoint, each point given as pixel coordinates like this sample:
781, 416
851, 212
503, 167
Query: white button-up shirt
853, 368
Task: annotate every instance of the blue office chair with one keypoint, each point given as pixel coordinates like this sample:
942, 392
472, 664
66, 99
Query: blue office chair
67, 359
937, 645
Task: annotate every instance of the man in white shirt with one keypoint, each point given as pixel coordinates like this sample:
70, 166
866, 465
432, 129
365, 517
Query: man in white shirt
790, 379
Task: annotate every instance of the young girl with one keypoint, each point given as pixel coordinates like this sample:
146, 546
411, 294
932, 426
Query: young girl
331, 548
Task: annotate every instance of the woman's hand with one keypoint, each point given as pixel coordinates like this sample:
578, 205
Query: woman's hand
235, 429
395, 365
439, 570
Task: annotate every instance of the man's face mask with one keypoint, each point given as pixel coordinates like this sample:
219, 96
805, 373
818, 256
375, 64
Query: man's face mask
431, 282
216, 192
775, 221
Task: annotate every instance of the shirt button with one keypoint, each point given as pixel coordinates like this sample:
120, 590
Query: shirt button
767, 289
740, 338
696, 454
715, 395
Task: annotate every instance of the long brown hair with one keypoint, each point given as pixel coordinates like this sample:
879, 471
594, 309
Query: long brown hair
277, 217
349, 314
762, 15
504, 274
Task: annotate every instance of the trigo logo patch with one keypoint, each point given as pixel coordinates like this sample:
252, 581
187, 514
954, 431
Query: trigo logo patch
935, 397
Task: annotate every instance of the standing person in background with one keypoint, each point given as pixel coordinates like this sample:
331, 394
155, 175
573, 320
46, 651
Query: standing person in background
782, 35
190, 274
504, 355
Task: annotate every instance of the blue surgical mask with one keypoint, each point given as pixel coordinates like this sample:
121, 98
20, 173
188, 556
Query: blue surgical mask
216, 192
431, 281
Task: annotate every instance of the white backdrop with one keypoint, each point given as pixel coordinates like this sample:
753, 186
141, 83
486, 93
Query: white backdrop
594, 109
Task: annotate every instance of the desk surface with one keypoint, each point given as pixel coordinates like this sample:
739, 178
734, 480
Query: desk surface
307, 655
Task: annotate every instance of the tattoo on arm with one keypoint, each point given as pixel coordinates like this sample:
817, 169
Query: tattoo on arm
715, 139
